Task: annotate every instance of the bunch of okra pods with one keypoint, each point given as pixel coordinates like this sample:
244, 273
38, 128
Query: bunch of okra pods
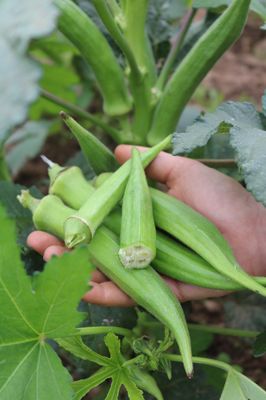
134, 233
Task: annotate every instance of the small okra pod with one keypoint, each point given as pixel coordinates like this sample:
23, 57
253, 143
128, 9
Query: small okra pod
81, 227
138, 232
48, 213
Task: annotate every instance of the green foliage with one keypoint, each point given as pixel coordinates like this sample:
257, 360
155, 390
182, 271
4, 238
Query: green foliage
247, 137
259, 348
17, 29
26, 143
238, 386
32, 314
113, 367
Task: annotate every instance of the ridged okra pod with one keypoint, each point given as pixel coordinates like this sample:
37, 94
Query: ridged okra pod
93, 46
201, 235
49, 213
66, 181
144, 286
207, 50
138, 233
96, 153
81, 227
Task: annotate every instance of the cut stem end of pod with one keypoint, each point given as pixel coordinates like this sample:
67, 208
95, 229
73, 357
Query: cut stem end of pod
136, 256
76, 232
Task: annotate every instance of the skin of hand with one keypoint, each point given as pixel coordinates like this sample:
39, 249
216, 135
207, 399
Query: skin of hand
234, 211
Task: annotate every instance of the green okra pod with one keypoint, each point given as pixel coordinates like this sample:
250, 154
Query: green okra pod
96, 153
49, 213
173, 259
207, 50
85, 35
144, 286
81, 227
201, 235
138, 233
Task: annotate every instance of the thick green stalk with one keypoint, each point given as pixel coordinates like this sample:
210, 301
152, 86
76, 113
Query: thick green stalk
224, 331
117, 35
138, 232
136, 35
81, 227
201, 360
207, 50
98, 155
85, 35
115, 134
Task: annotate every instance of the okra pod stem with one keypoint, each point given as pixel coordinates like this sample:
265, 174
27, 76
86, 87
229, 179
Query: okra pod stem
93, 46
138, 233
98, 155
207, 50
81, 227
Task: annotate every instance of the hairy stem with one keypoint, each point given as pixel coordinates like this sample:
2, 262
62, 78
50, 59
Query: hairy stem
99, 330
201, 360
223, 331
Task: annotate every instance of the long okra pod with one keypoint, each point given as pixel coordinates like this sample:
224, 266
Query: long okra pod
81, 227
138, 233
85, 35
144, 286
198, 233
209, 48
98, 155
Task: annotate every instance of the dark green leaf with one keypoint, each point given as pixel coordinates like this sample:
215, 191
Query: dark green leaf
259, 348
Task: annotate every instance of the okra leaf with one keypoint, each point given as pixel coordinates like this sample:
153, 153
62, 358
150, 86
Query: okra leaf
259, 348
247, 137
32, 314
19, 75
25, 143
238, 386
112, 367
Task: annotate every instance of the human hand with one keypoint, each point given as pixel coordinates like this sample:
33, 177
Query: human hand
225, 202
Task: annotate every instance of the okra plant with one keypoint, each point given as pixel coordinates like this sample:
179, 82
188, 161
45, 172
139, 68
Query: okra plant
131, 232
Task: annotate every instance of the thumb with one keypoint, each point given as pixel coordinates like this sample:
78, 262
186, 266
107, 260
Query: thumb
165, 168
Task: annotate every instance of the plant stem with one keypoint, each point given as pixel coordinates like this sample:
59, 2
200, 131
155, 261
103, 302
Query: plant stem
4, 172
133, 360
99, 330
81, 113
110, 24
176, 47
200, 360
223, 331
216, 163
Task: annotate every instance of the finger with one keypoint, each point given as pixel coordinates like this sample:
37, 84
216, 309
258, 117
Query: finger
54, 250
107, 294
185, 292
163, 169
98, 277
39, 241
